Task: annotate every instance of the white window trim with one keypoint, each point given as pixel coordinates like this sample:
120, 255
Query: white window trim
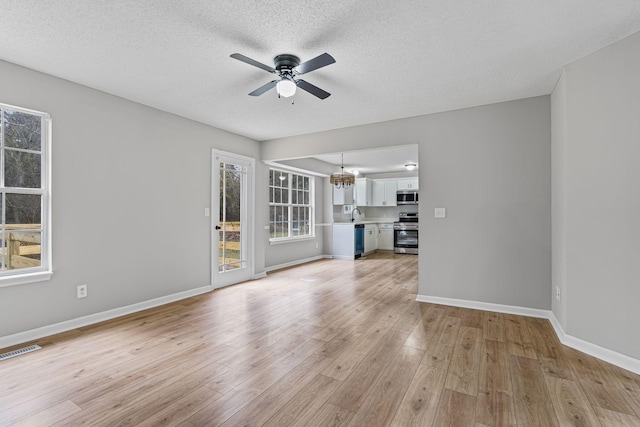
45, 271
280, 240
312, 208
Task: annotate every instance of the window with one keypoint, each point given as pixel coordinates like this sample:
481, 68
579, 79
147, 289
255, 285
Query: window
290, 205
24, 196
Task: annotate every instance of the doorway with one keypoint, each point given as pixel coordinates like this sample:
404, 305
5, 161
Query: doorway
232, 207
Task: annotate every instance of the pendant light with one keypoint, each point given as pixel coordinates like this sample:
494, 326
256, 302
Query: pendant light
342, 179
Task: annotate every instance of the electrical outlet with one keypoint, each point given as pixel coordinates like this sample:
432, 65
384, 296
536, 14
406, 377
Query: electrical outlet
82, 291
558, 293
316, 245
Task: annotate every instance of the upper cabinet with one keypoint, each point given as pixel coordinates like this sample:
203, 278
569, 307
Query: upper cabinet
384, 192
342, 196
408, 184
373, 192
364, 192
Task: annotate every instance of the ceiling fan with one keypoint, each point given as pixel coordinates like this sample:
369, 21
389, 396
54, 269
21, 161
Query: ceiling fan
287, 67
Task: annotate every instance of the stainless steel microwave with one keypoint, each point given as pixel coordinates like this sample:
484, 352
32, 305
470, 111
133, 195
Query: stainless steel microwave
406, 197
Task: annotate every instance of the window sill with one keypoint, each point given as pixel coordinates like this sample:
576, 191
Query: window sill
22, 279
291, 240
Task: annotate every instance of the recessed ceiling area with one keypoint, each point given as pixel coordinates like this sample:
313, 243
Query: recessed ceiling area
388, 160
374, 161
393, 59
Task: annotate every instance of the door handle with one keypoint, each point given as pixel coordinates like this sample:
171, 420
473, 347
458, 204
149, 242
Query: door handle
218, 227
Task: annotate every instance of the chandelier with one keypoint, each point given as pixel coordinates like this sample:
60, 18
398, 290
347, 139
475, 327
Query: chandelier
342, 179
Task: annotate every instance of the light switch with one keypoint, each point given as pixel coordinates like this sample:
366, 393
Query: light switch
440, 213
206, 212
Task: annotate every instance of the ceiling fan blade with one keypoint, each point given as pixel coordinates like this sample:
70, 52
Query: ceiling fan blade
315, 63
313, 90
262, 89
247, 60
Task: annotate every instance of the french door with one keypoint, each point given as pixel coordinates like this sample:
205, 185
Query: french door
232, 216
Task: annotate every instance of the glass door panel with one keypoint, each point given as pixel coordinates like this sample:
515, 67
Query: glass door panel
230, 237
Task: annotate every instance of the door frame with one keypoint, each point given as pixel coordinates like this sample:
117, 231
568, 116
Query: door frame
249, 273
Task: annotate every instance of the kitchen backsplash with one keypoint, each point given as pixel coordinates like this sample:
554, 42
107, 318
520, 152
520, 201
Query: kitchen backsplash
392, 212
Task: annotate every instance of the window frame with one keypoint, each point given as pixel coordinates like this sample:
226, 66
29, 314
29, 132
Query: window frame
45, 270
290, 206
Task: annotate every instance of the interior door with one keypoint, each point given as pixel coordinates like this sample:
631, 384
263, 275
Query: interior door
232, 207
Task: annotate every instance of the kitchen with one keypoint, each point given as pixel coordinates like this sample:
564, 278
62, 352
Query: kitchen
383, 216
374, 208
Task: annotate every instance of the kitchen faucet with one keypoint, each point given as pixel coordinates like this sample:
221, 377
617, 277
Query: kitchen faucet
355, 209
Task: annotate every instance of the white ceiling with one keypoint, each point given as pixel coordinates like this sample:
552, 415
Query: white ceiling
373, 161
394, 59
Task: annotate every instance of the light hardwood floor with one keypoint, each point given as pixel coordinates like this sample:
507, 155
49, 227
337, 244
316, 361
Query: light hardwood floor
330, 343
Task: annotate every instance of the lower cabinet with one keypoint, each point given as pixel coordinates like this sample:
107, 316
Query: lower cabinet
385, 237
370, 238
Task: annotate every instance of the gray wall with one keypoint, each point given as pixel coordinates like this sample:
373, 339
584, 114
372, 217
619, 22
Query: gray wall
130, 185
490, 166
596, 103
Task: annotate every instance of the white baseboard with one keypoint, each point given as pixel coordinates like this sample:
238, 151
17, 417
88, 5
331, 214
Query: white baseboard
486, 306
67, 325
296, 262
602, 353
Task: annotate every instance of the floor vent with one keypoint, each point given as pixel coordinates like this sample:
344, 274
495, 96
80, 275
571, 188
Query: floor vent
19, 352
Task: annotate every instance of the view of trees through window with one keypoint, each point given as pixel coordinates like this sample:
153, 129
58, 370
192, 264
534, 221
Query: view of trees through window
21, 189
229, 237
290, 205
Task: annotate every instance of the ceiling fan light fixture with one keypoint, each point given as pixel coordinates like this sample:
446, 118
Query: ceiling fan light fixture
286, 88
410, 166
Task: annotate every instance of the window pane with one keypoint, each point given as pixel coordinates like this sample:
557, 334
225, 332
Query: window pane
233, 186
283, 214
23, 209
2, 241
291, 217
23, 250
22, 130
22, 169
282, 179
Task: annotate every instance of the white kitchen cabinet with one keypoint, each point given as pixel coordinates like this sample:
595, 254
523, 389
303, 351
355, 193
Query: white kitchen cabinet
385, 236
408, 184
342, 196
363, 192
370, 238
384, 192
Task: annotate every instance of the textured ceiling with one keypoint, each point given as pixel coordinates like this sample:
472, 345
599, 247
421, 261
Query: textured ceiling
394, 59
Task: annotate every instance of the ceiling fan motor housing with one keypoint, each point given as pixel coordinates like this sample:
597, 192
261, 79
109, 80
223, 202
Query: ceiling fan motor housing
286, 62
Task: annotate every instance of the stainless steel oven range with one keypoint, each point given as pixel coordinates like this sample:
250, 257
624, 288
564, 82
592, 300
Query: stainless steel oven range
405, 233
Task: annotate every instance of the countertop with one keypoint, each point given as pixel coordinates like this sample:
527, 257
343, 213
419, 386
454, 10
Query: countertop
367, 221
